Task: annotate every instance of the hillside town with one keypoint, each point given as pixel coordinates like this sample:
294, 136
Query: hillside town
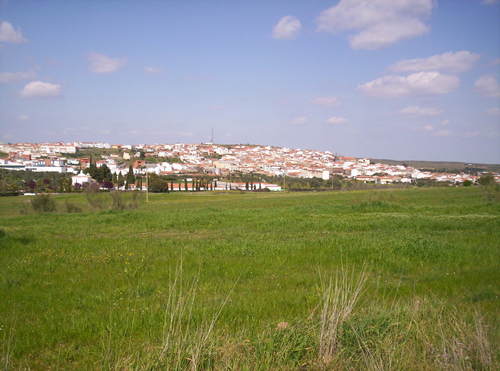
216, 160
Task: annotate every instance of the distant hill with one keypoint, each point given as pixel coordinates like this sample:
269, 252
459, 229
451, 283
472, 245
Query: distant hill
442, 166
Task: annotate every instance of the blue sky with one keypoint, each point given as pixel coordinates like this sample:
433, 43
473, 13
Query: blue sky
401, 79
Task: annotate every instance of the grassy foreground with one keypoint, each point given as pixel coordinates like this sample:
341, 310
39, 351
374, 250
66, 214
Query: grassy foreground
393, 279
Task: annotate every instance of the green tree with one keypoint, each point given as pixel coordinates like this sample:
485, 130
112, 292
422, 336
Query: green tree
130, 177
486, 180
157, 184
105, 174
120, 180
92, 171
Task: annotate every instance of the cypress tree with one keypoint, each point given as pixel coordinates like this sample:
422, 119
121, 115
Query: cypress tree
130, 176
120, 180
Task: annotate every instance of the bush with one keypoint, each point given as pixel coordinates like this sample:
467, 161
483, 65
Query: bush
25, 208
93, 196
72, 208
121, 203
467, 183
118, 202
491, 192
43, 203
136, 200
486, 180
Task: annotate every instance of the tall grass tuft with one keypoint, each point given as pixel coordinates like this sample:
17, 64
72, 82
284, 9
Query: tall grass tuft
43, 203
186, 340
95, 199
71, 207
462, 345
117, 201
339, 296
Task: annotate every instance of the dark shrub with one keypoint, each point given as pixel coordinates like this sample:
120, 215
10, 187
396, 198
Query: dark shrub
72, 208
93, 196
43, 203
486, 180
25, 208
122, 202
107, 185
118, 202
135, 200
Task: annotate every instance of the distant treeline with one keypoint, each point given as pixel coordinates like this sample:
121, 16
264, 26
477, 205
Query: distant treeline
443, 166
12, 182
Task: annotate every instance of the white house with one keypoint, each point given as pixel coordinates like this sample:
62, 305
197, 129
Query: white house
271, 187
81, 179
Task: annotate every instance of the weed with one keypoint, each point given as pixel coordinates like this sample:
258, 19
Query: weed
95, 198
71, 207
43, 203
117, 200
339, 296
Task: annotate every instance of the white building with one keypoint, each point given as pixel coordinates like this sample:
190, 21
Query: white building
81, 179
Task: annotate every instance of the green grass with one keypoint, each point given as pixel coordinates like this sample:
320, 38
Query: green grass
98, 289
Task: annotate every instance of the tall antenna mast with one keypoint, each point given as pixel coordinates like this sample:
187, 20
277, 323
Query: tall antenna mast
212, 137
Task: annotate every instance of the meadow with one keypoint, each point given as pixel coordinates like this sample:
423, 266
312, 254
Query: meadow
386, 279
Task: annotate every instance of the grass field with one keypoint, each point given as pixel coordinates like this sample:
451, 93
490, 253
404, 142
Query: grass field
391, 279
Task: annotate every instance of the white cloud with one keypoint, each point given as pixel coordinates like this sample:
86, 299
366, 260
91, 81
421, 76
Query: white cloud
6, 77
435, 131
452, 62
334, 120
40, 89
300, 120
420, 111
442, 133
490, 2
100, 63
152, 70
287, 28
326, 101
378, 23
488, 85
428, 128
421, 83
8, 34
494, 111
23, 117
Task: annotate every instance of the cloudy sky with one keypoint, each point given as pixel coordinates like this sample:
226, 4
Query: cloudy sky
401, 79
